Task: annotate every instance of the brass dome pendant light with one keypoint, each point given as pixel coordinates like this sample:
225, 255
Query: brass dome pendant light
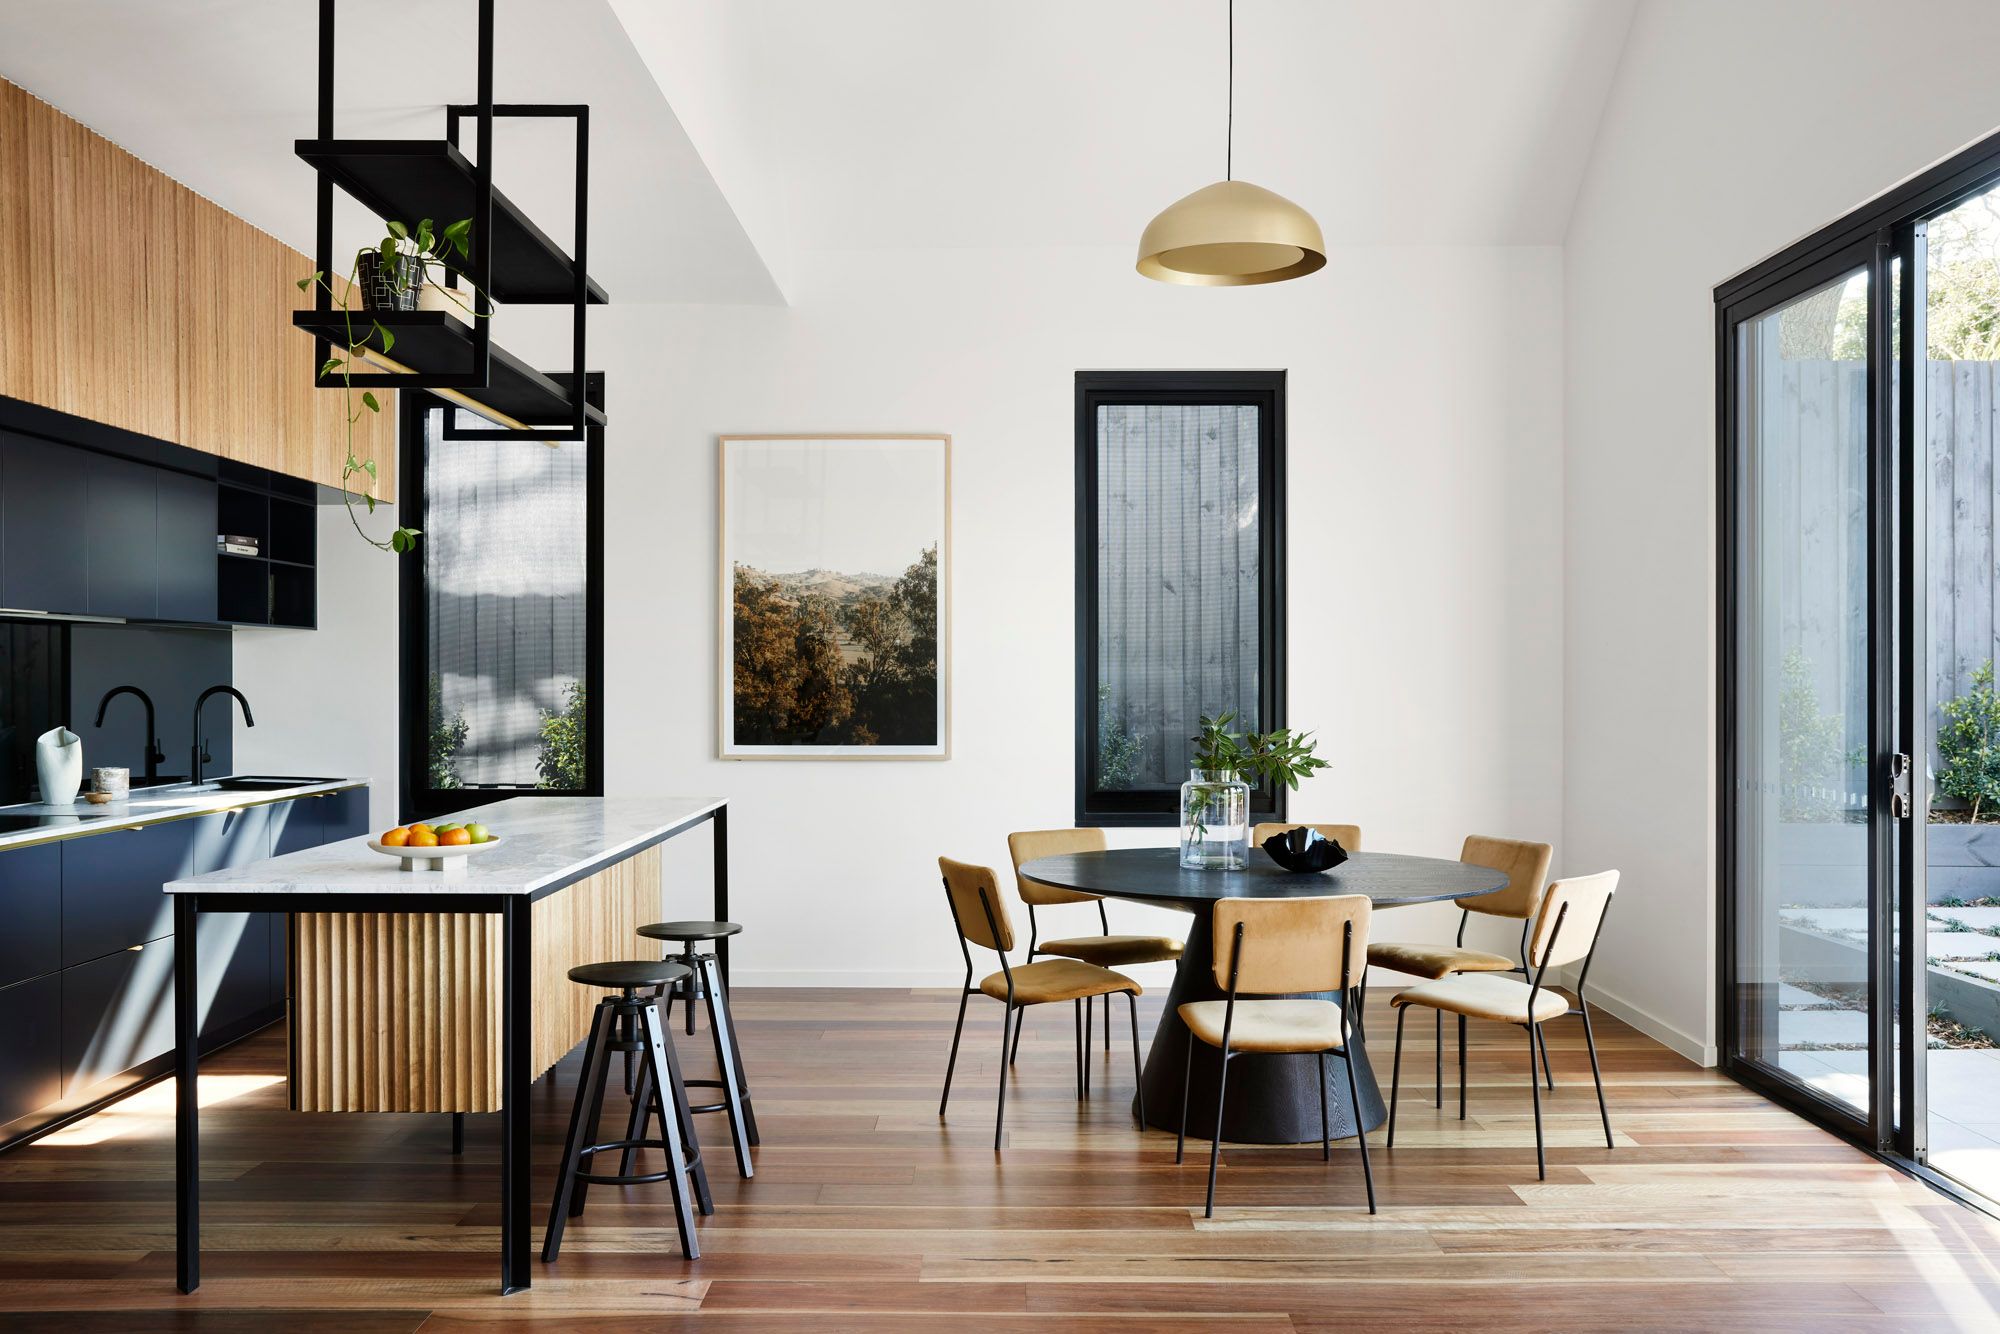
1231, 233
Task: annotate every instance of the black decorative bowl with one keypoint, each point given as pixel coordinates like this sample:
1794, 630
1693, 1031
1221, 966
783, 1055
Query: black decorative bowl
1302, 849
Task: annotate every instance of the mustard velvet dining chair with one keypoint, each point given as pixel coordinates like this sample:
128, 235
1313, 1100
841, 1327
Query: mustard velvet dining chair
1275, 948
980, 917
1565, 931
1105, 950
1526, 866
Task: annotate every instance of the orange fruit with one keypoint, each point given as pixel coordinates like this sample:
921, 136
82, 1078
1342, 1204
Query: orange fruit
421, 837
421, 828
396, 837
454, 838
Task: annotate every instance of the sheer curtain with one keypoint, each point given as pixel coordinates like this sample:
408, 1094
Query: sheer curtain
1177, 582
504, 574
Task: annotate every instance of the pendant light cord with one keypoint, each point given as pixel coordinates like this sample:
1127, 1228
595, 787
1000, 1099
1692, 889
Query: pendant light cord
1229, 135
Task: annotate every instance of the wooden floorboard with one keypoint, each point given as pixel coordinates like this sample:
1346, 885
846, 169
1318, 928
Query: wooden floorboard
1716, 1210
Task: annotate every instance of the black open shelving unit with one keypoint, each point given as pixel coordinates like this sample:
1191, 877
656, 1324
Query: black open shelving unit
279, 585
510, 260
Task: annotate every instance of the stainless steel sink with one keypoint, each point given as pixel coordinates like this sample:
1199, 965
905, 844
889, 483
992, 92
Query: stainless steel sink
262, 782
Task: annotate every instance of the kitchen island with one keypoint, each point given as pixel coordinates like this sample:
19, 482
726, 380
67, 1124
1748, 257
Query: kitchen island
405, 996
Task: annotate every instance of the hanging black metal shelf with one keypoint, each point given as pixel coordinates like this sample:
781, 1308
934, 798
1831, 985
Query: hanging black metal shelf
506, 258
434, 345
411, 179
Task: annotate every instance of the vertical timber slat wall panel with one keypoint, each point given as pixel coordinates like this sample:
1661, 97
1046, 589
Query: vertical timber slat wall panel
127, 299
400, 1012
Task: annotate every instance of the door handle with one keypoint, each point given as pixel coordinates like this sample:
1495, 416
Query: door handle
1899, 786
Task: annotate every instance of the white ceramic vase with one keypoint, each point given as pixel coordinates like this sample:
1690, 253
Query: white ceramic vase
59, 765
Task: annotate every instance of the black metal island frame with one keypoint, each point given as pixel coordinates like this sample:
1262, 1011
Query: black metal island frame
586, 869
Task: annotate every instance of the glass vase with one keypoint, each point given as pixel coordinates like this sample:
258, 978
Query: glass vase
1215, 821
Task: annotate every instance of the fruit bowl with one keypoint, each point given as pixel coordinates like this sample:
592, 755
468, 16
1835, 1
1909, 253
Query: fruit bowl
444, 859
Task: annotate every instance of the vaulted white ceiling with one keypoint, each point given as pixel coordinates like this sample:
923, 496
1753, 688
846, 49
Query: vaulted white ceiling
736, 139
898, 123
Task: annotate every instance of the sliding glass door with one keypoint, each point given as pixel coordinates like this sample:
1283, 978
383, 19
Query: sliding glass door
1806, 822
1858, 418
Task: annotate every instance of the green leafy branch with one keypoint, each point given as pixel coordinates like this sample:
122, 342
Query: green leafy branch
422, 248
1277, 756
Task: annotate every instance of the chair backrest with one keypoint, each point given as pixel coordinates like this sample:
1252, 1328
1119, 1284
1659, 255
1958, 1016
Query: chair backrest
964, 883
1586, 897
1527, 868
1347, 835
1026, 847
1291, 944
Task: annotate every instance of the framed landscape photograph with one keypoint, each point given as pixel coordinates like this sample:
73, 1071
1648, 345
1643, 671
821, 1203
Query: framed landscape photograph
835, 564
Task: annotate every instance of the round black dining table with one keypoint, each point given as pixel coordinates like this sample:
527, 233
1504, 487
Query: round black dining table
1273, 1099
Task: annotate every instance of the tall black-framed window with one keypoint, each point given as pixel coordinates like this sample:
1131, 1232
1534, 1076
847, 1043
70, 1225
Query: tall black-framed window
502, 618
1180, 580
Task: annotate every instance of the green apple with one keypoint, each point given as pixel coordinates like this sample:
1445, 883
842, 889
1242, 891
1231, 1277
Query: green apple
442, 828
479, 832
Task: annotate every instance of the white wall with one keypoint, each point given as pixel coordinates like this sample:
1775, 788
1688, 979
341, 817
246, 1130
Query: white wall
1424, 470
1733, 129
326, 699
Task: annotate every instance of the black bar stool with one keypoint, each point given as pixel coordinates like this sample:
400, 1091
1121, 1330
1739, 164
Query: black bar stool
704, 982
642, 1019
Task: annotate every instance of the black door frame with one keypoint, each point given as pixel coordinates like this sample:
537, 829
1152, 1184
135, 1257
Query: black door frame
1889, 228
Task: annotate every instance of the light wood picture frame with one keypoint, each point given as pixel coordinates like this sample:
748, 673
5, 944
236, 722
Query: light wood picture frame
834, 609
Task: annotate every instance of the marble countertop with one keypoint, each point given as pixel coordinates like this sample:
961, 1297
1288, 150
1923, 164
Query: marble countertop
543, 841
154, 805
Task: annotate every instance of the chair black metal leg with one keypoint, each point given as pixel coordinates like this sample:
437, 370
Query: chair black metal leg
1542, 1038
1187, 1078
575, 1141
1361, 1008
1016, 1050
1138, 1067
1541, 1158
1089, 1021
1396, 1073
1596, 1076
1360, 1134
594, 1114
1215, 1145
1461, 1067
666, 1082
1000, 1112
952, 1064
1076, 1022
1107, 1021
1438, 1052
457, 1133
676, 1089
1325, 1131
728, 1075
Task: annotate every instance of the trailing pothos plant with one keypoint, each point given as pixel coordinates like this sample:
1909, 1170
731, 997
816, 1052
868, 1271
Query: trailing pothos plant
1280, 756
407, 255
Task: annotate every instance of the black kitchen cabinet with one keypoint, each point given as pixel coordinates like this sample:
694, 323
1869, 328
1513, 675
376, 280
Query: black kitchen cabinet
93, 1015
111, 887
30, 914
30, 1046
235, 959
187, 563
311, 821
44, 513
122, 536
117, 1012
